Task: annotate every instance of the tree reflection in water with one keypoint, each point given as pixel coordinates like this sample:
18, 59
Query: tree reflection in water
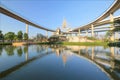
19, 51
10, 50
25, 49
1, 49
108, 59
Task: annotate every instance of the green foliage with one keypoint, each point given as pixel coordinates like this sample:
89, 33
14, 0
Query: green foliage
19, 51
15, 37
116, 29
9, 36
6, 43
53, 39
20, 35
40, 36
25, 36
117, 23
85, 43
91, 38
10, 50
1, 49
114, 44
109, 34
1, 36
25, 49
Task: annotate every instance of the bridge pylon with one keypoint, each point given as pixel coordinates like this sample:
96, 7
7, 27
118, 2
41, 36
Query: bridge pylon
79, 32
112, 26
92, 32
27, 28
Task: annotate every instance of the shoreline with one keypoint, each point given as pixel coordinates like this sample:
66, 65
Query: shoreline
111, 44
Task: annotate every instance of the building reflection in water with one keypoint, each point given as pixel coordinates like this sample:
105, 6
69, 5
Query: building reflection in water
61, 52
105, 57
108, 59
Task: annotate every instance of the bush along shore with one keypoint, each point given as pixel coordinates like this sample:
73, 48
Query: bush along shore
85, 43
78, 43
5, 43
114, 44
74, 43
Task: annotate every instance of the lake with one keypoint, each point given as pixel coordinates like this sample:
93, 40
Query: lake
57, 62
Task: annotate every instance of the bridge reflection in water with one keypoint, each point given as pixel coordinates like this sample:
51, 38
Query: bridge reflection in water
108, 59
14, 58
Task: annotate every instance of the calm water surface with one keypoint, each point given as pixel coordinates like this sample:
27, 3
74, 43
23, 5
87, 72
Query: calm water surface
55, 62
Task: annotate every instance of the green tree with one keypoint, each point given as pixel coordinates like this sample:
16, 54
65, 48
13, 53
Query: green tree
15, 37
25, 36
40, 37
20, 35
109, 33
1, 35
9, 36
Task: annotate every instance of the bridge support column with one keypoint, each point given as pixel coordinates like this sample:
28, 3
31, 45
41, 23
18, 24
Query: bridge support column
112, 26
92, 32
87, 33
26, 56
27, 28
46, 34
26, 52
79, 52
75, 34
117, 35
93, 54
79, 32
112, 50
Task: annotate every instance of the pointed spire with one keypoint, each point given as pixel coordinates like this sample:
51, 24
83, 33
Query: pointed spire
64, 24
64, 58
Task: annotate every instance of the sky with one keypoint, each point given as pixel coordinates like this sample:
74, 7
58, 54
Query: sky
51, 13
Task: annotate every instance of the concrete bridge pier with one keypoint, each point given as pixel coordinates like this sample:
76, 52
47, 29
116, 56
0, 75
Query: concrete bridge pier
112, 50
27, 28
112, 25
26, 52
26, 55
117, 35
79, 52
92, 54
96, 34
87, 33
79, 32
112, 63
92, 32
75, 34
46, 34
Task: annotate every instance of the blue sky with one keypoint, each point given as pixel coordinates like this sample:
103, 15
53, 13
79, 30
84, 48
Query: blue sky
50, 13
